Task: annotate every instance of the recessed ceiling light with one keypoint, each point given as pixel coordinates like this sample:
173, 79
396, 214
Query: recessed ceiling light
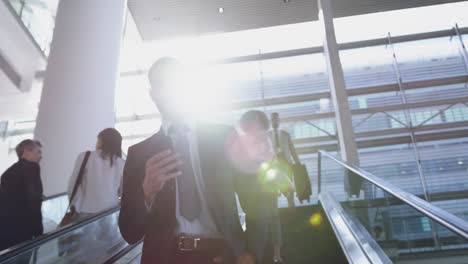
286, 1
460, 162
221, 10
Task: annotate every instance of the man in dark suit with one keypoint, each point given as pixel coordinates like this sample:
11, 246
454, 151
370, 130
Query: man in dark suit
21, 197
178, 190
258, 194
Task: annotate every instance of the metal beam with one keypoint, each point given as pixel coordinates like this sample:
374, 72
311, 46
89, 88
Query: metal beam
344, 122
362, 136
343, 46
281, 100
351, 92
357, 91
317, 49
398, 107
321, 129
327, 115
311, 140
367, 143
9, 71
380, 109
317, 96
394, 131
308, 117
270, 55
408, 85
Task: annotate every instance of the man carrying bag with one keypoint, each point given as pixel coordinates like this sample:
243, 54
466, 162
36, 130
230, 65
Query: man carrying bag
286, 151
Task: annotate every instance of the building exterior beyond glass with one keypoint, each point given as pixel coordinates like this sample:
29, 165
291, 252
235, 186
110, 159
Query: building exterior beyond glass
408, 94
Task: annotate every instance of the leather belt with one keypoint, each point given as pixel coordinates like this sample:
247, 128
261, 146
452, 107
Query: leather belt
190, 243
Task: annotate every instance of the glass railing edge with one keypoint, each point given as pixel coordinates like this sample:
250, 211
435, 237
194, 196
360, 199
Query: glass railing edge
122, 252
446, 219
357, 244
50, 197
28, 245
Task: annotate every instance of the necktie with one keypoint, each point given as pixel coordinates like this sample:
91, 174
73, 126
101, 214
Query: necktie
189, 200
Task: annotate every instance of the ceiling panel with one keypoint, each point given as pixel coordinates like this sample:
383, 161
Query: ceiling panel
162, 19
159, 19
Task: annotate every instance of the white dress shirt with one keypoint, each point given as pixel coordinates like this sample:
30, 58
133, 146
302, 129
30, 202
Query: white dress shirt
101, 183
204, 225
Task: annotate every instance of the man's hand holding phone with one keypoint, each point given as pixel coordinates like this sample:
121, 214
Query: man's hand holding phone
158, 170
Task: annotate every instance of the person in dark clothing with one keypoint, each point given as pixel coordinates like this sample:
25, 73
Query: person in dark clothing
21, 197
178, 192
257, 199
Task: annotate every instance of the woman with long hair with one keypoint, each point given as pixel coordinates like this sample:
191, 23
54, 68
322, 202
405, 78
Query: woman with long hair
101, 182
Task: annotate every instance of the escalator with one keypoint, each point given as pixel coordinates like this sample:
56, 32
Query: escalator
98, 237
383, 225
53, 209
387, 224
94, 240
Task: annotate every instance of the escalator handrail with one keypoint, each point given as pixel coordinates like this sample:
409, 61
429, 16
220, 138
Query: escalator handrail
122, 252
28, 245
446, 219
46, 198
350, 232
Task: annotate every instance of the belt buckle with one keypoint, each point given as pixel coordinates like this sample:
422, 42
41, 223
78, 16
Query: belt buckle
191, 245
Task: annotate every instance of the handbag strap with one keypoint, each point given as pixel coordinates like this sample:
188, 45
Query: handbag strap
79, 178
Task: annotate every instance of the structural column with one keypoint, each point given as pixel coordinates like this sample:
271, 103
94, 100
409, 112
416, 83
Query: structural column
344, 124
78, 94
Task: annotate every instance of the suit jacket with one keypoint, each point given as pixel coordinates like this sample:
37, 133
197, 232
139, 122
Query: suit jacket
20, 203
256, 202
157, 226
260, 206
260, 209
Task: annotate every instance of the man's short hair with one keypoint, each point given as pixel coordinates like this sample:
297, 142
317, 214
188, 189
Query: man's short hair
254, 116
26, 144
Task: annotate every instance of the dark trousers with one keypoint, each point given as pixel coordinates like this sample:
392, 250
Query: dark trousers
262, 235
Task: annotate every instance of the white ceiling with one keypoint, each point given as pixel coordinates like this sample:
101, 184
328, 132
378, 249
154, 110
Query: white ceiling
162, 19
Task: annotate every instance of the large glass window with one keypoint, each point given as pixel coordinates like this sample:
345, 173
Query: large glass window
38, 16
432, 71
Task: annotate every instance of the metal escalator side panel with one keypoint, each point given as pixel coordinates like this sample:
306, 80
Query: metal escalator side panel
31, 245
357, 244
444, 218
